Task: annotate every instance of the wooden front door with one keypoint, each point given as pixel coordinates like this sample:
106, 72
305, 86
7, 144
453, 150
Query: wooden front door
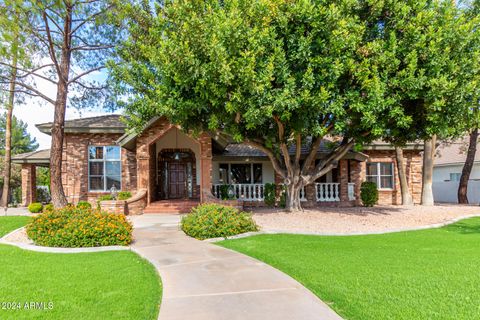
177, 180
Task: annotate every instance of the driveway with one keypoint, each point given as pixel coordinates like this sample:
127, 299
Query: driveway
202, 281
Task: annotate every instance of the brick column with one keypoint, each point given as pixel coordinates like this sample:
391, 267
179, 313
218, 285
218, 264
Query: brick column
343, 177
29, 184
205, 166
359, 171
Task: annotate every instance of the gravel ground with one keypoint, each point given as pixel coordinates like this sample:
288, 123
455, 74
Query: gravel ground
359, 219
19, 236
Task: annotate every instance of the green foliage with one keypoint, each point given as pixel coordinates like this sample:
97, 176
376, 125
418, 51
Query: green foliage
213, 220
369, 194
35, 207
224, 192
48, 207
269, 194
22, 141
282, 203
124, 195
84, 205
75, 227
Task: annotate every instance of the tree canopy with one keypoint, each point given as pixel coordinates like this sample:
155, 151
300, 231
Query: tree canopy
21, 140
279, 75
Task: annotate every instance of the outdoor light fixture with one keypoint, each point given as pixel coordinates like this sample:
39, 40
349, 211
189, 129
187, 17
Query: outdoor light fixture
113, 192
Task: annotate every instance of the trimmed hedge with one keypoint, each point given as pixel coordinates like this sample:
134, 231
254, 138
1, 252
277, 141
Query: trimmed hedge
73, 227
35, 207
124, 195
369, 194
48, 207
269, 194
212, 220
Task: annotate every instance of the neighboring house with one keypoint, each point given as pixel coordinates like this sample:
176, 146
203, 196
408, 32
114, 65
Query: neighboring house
447, 170
163, 163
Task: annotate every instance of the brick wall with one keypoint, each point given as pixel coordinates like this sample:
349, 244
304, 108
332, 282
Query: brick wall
413, 171
75, 165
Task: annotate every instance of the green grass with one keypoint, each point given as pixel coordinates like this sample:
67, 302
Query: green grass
103, 285
428, 274
10, 223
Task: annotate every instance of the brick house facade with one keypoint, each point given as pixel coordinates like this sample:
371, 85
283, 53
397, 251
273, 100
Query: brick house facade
163, 164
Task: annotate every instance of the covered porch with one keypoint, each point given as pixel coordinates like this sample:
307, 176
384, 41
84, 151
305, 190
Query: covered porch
29, 162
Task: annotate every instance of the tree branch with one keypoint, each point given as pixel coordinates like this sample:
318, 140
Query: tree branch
90, 18
313, 151
85, 73
51, 48
326, 165
275, 163
35, 92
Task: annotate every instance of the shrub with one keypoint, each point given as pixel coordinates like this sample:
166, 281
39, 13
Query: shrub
224, 192
282, 203
76, 227
269, 194
48, 207
369, 194
213, 220
84, 205
124, 195
35, 207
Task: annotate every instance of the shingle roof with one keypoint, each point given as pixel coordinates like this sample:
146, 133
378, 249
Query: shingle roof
111, 123
34, 157
454, 152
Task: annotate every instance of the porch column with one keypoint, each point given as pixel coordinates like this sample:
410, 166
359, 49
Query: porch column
29, 184
205, 167
343, 173
359, 171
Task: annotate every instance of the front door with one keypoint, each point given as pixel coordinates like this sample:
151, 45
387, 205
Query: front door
177, 180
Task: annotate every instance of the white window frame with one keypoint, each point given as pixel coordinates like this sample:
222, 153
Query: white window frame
229, 171
104, 161
379, 176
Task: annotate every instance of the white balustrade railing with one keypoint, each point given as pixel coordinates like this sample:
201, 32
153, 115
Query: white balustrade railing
244, 191
351, 191
327, 192
303, 194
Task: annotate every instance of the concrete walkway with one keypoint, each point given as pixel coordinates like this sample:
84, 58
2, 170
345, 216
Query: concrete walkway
202, 281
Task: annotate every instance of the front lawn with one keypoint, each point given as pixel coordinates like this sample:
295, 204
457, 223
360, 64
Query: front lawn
10, 223
103, 285
429, 274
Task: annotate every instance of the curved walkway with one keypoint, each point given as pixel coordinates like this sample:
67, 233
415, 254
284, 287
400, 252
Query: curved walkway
204, 281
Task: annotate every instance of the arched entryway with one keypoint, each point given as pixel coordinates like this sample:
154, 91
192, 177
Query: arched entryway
176, 174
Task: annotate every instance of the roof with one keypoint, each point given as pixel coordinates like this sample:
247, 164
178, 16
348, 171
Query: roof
240, 150
111, 123
454, 153
39, 157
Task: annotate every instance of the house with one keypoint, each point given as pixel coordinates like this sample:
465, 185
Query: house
447, 169
167, 169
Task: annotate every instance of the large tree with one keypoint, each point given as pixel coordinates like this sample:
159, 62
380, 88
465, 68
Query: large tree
429, 46
277, 75
75, 39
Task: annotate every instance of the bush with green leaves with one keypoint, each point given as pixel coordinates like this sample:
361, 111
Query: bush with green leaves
104, 197
48, 207
212, 220
269, 194
124, 195
75, 227
369, 194
35, 207
225, 192
84, 205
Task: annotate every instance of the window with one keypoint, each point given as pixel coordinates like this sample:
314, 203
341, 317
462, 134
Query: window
104, 168
455, 176
380, 173
240, 173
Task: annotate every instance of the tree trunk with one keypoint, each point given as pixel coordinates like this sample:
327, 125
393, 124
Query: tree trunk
428, 159
402, 175
467, 167
292, 203
56, 188
8, 128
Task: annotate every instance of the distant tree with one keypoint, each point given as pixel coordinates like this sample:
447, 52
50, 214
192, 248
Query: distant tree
76, 39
